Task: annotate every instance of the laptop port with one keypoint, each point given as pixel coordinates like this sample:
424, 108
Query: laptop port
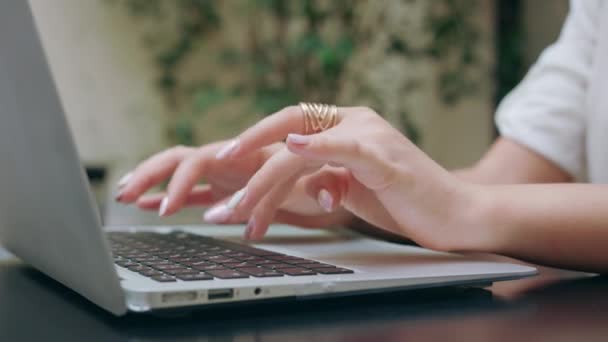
220, 294
178, 297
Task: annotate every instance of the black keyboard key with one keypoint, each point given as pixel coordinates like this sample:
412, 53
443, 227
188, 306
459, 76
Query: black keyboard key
263, 262
333, 270
194, 277
126, 263
249, 258
151, 273
158, 262
183, 260
259, 272
209, 267
227, 274
197, 263
260, 252
139, 268
236, 255
167, 267
239, 264
314, 265
176, 256
297, 271
134, 255
221, 259
279, 257
297, 261
164, 278
148, 259
277, 266
182, 271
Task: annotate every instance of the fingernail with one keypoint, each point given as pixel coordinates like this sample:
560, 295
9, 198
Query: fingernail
326, 200
118, 196
124, 180
217, 214
250, 228
163, 206
236, 198
298, 139
227, 150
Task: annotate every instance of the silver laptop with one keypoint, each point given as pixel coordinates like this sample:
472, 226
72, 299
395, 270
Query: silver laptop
49, 220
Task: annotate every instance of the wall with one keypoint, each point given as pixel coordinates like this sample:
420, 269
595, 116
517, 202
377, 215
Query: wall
542, 23
104, 77
105, 80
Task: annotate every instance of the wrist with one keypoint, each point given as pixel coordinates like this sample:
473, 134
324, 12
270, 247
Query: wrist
474, 221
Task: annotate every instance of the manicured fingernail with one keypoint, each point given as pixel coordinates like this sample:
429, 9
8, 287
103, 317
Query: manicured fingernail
163, 206
125, 180
217, 214
118, 196
250, 228
236, 198
298, 139
326, 200
227, 149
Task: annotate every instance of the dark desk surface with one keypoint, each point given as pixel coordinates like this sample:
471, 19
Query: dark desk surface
555, 306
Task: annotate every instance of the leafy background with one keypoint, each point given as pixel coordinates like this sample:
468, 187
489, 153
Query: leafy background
227, 63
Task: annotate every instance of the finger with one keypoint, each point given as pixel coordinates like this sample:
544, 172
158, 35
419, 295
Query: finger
271, 129
221, 214
280, 167
327, 186
203, 195
151, 173
192, 169
265, 211
187, 174
337, 148
354, 196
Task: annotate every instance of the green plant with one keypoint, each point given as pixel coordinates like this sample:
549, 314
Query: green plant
454, 36
293, 50
280, 68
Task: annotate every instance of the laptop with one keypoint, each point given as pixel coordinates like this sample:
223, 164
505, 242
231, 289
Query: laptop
49, 220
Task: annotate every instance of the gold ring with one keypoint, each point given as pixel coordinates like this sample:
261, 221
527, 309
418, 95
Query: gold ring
318, 117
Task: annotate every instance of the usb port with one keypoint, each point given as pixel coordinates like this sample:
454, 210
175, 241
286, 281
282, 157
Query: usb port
220, 294
179, 297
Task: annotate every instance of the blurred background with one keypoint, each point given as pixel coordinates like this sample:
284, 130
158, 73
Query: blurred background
137, 76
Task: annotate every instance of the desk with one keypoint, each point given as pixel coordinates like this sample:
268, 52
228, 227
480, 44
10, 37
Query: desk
34, 307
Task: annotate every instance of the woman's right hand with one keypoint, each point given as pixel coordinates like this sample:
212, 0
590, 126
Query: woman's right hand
185, 167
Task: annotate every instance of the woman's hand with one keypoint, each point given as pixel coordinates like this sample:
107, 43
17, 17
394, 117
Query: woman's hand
362, 164
186, 166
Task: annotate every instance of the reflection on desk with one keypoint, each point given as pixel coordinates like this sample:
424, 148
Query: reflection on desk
34, 307
4, 254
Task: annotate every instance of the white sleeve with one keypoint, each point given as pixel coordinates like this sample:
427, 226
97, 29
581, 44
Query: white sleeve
546, 111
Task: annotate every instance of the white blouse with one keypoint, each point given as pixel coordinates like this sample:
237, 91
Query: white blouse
560, 109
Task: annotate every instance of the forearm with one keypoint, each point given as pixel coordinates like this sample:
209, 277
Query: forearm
508, 162
562, 225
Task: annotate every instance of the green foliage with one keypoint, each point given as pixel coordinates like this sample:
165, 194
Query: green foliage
285, 66
454, 35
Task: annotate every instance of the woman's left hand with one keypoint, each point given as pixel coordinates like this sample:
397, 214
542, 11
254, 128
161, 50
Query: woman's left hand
362, 164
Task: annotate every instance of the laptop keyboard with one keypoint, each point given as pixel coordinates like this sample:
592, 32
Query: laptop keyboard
189, 257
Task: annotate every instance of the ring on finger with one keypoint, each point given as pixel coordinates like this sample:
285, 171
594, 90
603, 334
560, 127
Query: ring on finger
318, 117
